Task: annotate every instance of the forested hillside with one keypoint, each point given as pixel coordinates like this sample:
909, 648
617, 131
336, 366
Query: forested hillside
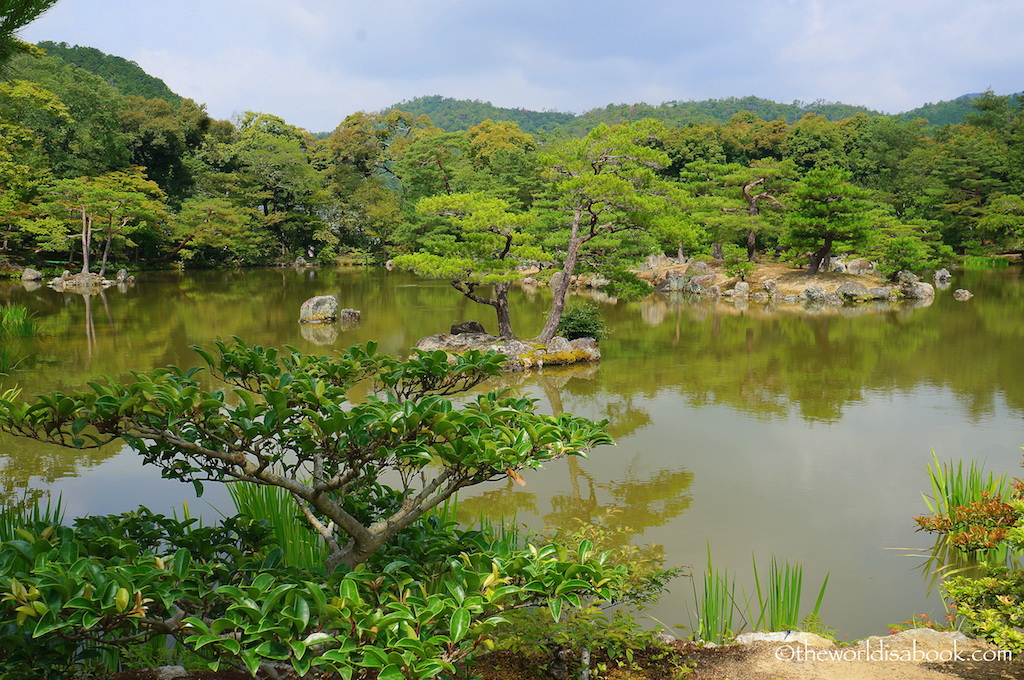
125, 76
88, 169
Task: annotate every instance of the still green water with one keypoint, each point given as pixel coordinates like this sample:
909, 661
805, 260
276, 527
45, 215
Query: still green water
752, 430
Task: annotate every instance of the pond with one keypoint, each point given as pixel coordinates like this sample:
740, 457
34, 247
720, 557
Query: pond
750, 431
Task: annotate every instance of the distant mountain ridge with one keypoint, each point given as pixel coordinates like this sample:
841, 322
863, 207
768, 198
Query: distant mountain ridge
458, 114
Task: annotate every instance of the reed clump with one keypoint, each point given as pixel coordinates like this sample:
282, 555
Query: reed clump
774, 604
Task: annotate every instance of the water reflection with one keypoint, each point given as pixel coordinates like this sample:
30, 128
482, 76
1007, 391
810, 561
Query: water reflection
767, 429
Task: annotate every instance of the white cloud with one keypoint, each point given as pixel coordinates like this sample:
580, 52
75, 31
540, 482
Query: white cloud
315, 61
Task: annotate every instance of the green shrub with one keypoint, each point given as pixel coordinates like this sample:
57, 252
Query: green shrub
736, 263
626, 285
419, 608
582, 319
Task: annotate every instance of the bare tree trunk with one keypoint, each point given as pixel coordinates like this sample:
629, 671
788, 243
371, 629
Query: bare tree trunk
820, 256
499, 302
560, 291
86, 240
502, 310
106, 254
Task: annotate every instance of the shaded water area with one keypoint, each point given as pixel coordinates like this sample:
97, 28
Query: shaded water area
755, 431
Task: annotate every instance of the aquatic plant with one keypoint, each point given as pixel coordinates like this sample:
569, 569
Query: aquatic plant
779, 597
16, 321
956, 487
274, 505
776, 607
31, 515
9, 360
984, 262
715, 610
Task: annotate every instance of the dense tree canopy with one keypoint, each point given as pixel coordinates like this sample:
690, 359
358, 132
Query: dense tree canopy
710, 176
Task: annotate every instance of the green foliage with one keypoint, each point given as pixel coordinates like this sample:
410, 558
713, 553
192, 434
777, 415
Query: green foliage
984, 262
479, 241
452, 115
127, 76
979, 515
778, 598
716, 605
910, 252
582, 319
991, 607
274, 506
777, 603
591, 625
826, 210
16, 321
626, 285
226, 597
288, 422
605, 201
15, 16
954, 487
736, 262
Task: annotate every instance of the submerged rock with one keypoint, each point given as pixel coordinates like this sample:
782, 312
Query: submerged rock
962, 294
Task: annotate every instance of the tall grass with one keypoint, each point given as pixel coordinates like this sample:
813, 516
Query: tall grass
302, 547
17, 322
984, 262
776, 608
9, 358
779, 597
954, 487
28, 515
717, 607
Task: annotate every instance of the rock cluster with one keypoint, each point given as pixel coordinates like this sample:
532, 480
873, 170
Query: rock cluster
521, 355
325, 309
88, 283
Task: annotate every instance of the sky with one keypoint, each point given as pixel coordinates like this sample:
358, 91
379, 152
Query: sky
313, 62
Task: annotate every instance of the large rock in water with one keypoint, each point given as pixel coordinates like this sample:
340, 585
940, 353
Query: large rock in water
918, 290
851, 290
813, 294
319, 309
31, 275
